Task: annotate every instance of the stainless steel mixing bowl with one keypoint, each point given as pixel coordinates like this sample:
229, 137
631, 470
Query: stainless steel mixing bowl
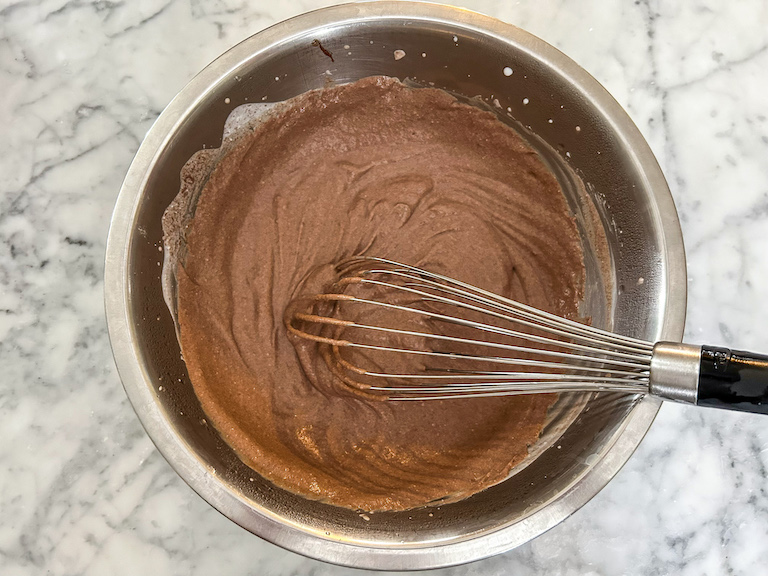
466, 53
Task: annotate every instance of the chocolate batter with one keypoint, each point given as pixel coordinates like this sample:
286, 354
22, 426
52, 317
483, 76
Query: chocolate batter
380, 169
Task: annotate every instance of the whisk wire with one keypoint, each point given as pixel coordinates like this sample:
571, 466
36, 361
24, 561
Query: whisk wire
490, 298
573, 357
630, 362
618, 350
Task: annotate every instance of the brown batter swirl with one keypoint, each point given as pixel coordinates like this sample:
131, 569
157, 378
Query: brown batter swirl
380, 169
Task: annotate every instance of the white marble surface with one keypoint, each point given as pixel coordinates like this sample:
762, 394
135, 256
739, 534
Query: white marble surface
82, 489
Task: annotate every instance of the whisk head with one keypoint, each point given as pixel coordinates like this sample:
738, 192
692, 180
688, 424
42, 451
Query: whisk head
404, 333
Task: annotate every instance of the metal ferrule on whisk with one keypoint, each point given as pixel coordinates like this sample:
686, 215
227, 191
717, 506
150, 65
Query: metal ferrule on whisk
675, 371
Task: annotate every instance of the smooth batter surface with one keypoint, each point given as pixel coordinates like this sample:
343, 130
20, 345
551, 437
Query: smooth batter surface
380, 169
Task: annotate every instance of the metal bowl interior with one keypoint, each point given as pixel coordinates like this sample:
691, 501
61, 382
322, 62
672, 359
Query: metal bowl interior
467, 54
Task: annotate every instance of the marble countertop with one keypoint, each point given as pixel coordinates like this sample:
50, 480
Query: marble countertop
83, 490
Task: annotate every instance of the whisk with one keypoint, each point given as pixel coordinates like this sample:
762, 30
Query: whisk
404, 333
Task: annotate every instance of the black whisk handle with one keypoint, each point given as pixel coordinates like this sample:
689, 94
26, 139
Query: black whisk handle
733, 379
710, 376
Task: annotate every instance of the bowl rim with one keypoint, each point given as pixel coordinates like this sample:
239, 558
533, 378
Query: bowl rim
260, 521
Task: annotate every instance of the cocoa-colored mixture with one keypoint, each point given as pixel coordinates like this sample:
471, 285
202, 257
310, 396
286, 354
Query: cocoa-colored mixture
380, 169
